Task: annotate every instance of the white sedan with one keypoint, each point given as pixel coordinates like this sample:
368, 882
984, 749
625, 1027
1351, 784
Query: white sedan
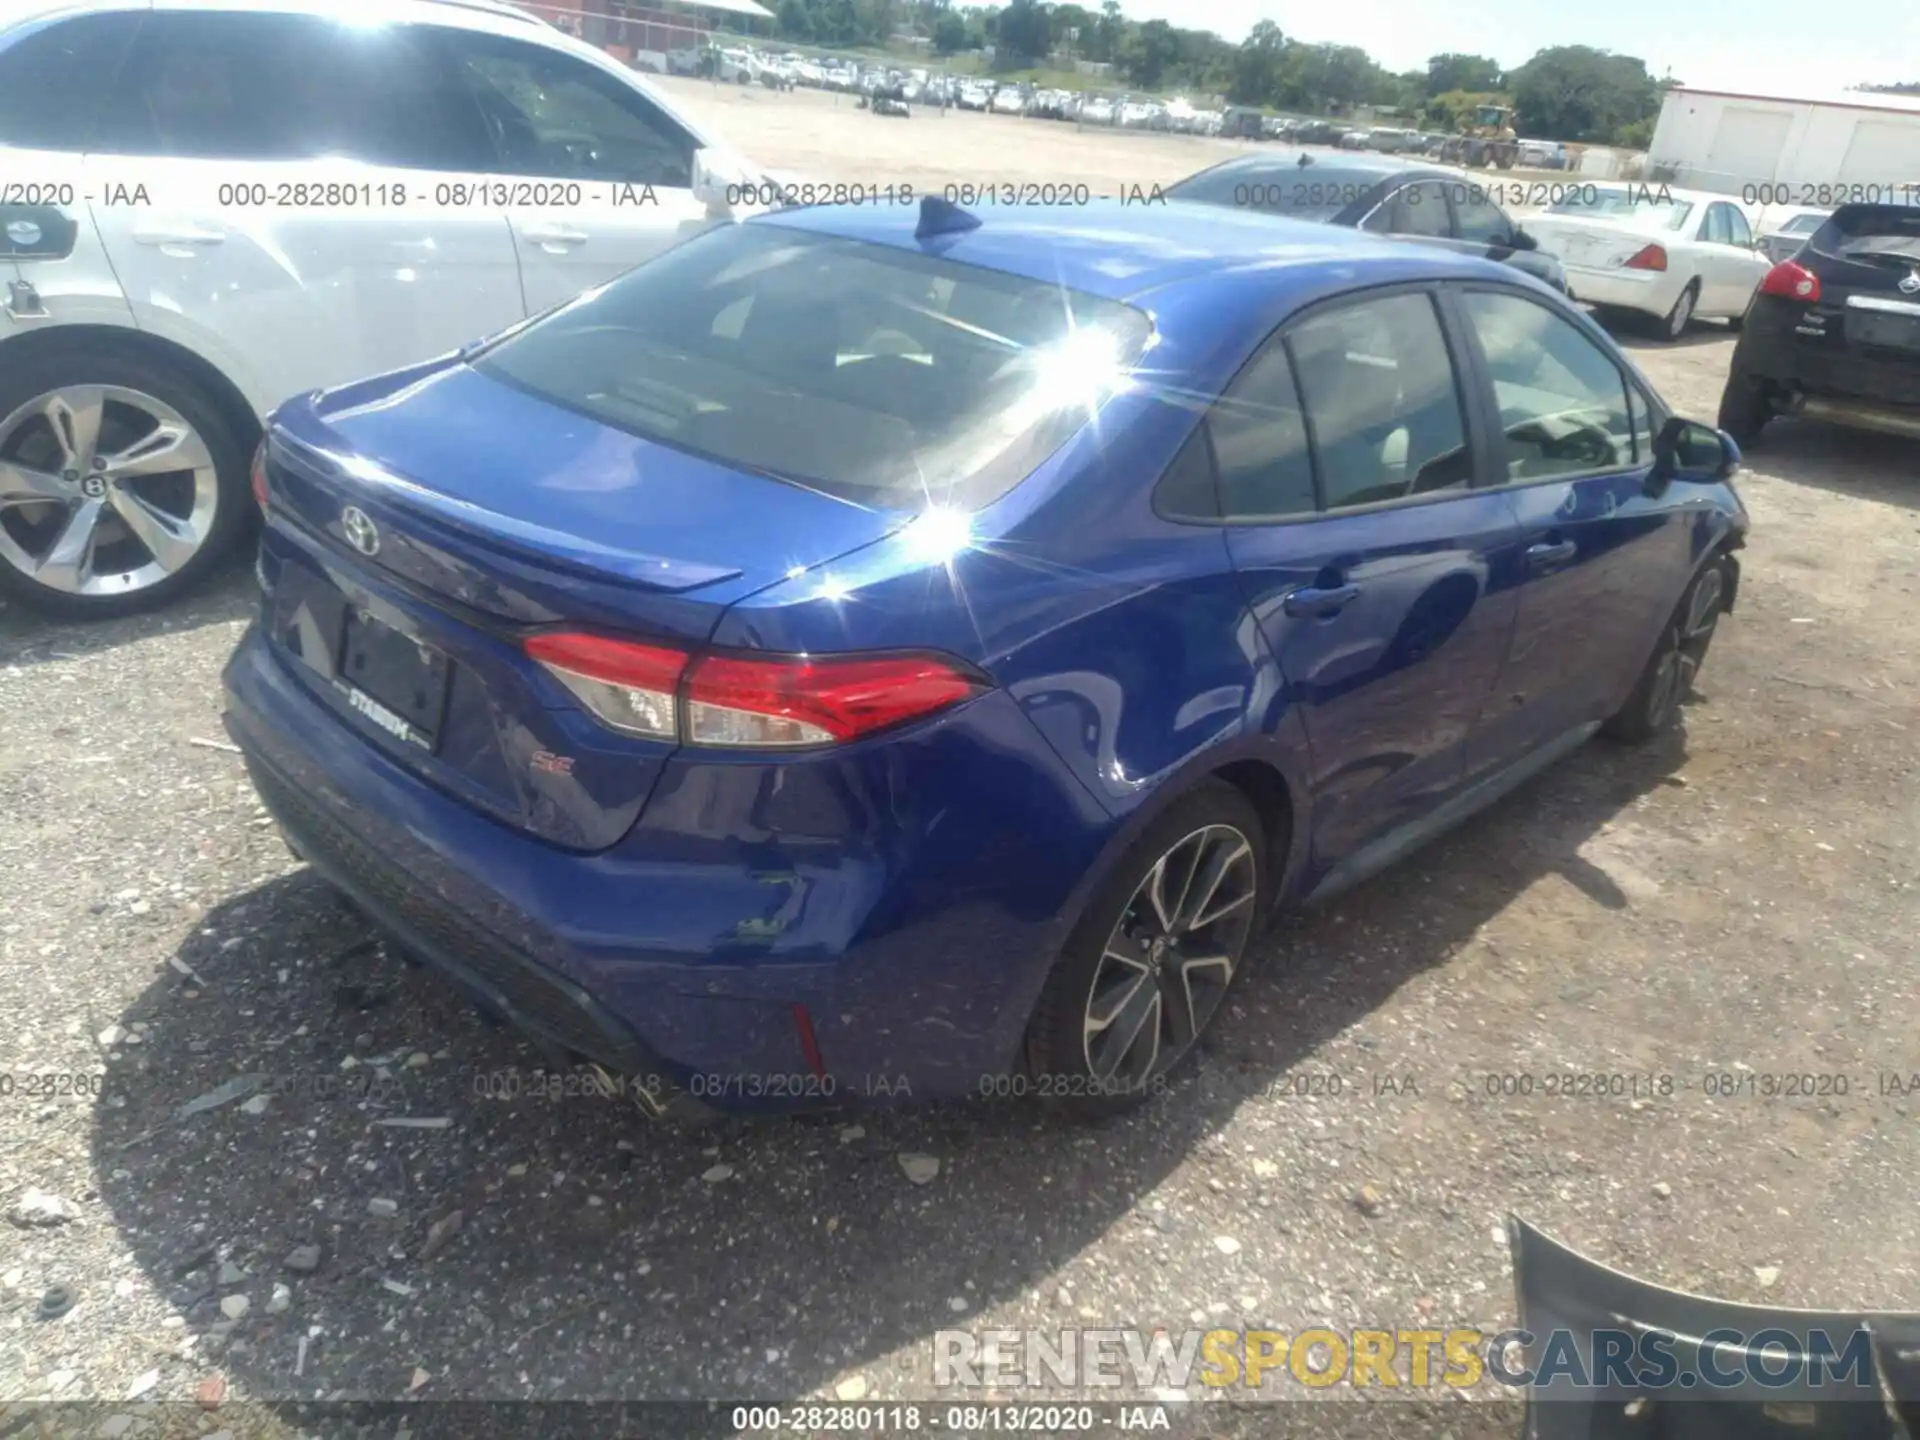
1672, 254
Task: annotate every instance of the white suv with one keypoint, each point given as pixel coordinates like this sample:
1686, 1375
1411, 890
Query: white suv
209, 205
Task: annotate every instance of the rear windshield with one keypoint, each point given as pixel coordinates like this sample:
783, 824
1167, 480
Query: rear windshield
1303, 192
1868, 232
1642, 210
883, 376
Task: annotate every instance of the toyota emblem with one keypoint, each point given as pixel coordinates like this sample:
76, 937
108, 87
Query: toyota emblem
360, 530
1910, 283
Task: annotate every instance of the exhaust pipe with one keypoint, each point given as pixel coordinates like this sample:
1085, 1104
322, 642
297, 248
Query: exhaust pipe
1863, 417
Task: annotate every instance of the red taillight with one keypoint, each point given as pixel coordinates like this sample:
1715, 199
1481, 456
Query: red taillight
1793, 280
628, 686
1647, 257
748, 702
795, 700
260, 491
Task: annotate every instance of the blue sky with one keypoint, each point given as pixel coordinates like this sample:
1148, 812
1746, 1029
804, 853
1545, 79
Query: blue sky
1768, 46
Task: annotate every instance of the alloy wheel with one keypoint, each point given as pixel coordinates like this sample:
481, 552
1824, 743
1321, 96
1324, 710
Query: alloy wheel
1682, 313
104, 490
1687, 644
1170, 958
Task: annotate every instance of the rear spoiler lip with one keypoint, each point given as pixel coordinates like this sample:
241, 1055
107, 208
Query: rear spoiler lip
522, 539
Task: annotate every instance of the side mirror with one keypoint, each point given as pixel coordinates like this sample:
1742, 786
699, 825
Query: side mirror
1687, 450
718, 181
1521, 240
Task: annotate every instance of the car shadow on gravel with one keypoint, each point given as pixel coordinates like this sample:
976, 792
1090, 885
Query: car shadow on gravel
564, 1247
1634, 331
1860, 464
28, 637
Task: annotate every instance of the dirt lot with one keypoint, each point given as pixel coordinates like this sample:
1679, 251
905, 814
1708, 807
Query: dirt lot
1741, 900
814, 134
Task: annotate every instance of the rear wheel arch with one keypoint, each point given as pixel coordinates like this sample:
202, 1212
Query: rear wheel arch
1267, 788
32, 346
140, 374
1259, 778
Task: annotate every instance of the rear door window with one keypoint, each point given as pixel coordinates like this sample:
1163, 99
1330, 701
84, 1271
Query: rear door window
1382, 401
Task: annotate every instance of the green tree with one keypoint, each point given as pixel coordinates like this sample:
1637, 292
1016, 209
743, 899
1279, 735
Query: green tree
796, 22
1406, 91
1575, 92
1454, 110
1149, 53
1637, 136
949, 34
1108, 33
1065, 20
1256, 66
1461, 72
1326, 78
1022, 35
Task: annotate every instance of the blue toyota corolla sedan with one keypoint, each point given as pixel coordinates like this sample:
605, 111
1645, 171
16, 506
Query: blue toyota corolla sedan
874, 652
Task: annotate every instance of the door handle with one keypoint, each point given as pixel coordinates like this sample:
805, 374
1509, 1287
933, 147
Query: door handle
1312, 603
556, 238
1546, 555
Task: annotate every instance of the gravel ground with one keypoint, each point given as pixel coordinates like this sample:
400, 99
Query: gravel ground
1741, 899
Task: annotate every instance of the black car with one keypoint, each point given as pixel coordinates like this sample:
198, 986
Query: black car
1386, 194
1834, 332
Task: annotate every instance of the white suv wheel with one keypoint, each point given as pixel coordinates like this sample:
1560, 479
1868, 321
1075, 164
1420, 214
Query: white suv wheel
106, 492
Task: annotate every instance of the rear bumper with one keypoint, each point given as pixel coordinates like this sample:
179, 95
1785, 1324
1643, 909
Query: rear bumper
1773, 352
1650, 291
746, 894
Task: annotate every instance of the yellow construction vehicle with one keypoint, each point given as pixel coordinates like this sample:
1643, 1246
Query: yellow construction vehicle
1489, 140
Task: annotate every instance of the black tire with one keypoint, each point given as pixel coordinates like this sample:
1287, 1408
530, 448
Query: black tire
1674, 323
1654, 706
1196, 832
88, 363
1746, 404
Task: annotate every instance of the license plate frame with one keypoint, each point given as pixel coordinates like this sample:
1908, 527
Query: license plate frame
1884, 330
397, 682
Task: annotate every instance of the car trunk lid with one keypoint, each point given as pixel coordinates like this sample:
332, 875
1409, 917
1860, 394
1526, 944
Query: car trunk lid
406, 564
1596, 243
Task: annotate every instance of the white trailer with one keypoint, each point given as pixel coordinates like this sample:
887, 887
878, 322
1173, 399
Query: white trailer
1789, 151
